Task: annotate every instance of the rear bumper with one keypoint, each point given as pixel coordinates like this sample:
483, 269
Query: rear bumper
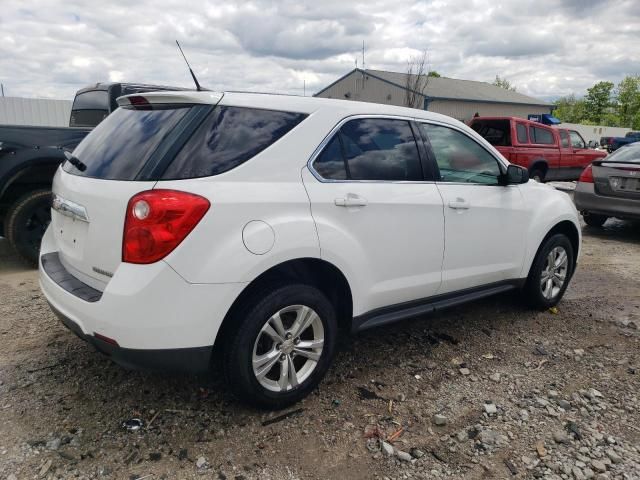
190, 360
156, 319
587, 200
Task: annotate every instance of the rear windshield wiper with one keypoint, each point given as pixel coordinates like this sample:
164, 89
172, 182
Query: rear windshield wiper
75, 161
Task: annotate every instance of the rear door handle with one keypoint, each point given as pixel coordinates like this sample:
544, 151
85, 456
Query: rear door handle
459, 204
351, 200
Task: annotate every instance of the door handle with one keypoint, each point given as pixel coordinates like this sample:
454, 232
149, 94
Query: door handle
351, 200
459, 204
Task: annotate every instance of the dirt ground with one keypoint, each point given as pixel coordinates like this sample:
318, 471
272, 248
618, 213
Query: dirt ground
521, 394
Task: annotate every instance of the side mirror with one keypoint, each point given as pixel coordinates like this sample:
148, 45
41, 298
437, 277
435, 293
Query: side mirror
515, 175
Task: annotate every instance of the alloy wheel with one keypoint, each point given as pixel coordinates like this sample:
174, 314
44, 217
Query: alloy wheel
288, 348
554, 273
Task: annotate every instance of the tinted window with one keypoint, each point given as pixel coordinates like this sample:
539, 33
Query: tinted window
228, 137
496, 132
564, 139
120, 146
522, 133
460, 158
93, 100
541, 135
380, 149
330, 164
576, 140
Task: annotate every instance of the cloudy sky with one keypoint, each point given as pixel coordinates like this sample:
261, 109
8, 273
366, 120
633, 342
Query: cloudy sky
547, 48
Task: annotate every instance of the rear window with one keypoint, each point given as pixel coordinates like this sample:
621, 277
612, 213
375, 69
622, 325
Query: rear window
119, 147
541, 136
630, 153
89, 108
228, 137
496, 132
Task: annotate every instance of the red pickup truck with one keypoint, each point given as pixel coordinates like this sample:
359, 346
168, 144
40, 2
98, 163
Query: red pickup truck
550, 153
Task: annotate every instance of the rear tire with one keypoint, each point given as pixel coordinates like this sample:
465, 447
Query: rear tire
262, 347
594, 220
25, 223
550, 272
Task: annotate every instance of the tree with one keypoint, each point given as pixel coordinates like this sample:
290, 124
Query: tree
628, 100
433, 73
418, 74
598, 101
504, 83
570, 109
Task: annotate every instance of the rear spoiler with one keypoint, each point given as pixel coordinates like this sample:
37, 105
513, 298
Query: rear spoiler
621, 164
170, 98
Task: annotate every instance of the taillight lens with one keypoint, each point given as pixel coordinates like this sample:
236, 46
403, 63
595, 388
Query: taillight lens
157, 221
587, 175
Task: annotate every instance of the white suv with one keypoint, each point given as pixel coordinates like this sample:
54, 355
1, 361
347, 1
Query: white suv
261, 226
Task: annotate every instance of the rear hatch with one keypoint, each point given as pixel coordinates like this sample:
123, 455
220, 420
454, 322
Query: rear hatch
618, 175
124, 155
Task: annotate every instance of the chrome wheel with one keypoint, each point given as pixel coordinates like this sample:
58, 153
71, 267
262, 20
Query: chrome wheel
288, 348
554, 273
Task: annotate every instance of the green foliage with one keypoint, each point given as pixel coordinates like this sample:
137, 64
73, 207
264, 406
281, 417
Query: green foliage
433, 73
504, 83
604, 105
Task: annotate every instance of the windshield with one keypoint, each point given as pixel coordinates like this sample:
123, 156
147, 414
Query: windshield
119, 147
628, 154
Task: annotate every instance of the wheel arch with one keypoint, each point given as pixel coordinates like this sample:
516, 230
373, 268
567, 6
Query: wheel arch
539, 164
567, 228
311, 271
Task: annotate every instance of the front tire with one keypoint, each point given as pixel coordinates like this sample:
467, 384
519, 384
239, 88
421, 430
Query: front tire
26, 222
282, 347
594, 220
537, 175
550, 272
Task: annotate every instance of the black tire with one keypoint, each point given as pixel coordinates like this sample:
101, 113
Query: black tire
533, 290
537, 175
25, 223
239, 344
594, 220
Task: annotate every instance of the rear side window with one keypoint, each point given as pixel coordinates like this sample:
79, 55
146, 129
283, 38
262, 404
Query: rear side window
330, 163
228, 137
521, 132
564, 139
496, 132
120, 146
541, 136
373, 149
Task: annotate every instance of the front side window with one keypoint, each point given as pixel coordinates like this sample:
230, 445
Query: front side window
371, 149
576, 139
522, 133
541, 136
228, 137
564, 139
460, 159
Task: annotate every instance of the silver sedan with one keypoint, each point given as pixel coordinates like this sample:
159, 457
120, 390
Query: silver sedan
610, 187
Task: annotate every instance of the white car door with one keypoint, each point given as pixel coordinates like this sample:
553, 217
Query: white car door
377, 218
484, 222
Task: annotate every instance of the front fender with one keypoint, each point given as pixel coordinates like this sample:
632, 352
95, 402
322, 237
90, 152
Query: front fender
548, 208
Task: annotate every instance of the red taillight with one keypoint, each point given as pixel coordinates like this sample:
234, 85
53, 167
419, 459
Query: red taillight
157, 221
587, 175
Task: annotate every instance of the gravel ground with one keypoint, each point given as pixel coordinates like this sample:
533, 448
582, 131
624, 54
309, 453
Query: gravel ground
487, 390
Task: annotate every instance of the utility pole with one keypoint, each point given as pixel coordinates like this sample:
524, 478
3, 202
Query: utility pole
304, 87
2, 88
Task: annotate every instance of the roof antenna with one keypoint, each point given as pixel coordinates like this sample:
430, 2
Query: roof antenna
195, 80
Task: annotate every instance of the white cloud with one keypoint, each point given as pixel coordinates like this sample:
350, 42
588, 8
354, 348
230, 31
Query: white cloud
547, 48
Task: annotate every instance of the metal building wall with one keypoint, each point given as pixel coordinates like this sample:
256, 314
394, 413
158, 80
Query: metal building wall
364, 90
594, 132
464, 111
34, 111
